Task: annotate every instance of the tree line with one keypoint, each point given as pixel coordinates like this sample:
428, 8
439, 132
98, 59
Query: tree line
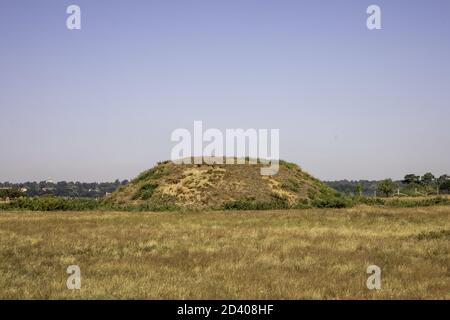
60, 189
411, 185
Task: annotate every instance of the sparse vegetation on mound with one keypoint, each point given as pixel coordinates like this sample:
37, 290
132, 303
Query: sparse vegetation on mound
222, 186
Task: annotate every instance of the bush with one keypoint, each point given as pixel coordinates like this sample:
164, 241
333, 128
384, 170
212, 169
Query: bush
303, 204
139, 208
51, 204
403, 203
332, 202
335, 201
145, 192
419, 203
251, 204
10, 193
370, 201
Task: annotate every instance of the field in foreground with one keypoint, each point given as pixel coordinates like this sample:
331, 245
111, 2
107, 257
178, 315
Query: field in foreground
306, 254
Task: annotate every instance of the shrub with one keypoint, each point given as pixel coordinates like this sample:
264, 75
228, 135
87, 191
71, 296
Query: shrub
370, 201
139, 208
303, 204
251, 204
402, 203
291, 185
145, 192
332, 202
10, 193
51, 204
419, 203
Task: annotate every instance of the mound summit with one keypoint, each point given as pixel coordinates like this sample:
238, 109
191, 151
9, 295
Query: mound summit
220, 186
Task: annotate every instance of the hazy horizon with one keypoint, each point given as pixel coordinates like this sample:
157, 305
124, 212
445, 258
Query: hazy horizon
100, 103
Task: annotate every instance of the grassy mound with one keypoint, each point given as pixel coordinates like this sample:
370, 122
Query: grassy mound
236, 186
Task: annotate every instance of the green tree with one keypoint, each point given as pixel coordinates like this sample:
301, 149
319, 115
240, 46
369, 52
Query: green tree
359, 189
445, 186
411, 178
442, 179
427, 179
386, 187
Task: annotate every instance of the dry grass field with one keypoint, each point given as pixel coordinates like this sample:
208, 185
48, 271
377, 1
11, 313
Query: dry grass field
295, 254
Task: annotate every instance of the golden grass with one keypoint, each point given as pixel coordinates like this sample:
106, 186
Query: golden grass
308, 254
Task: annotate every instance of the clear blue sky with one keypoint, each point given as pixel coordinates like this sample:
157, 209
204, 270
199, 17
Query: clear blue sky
100, 103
